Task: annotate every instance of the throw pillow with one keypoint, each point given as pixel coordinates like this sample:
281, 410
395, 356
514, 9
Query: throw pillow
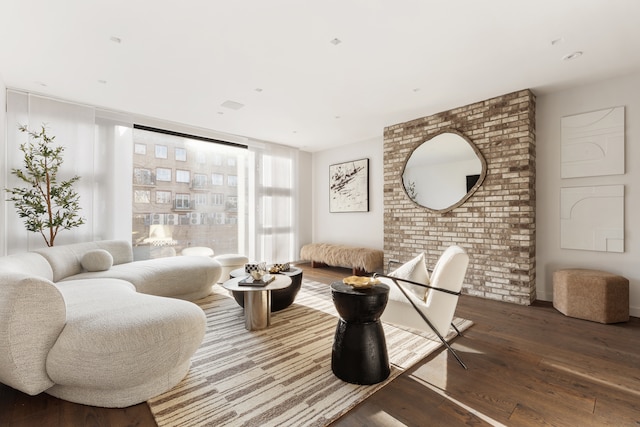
97, 260
416, 271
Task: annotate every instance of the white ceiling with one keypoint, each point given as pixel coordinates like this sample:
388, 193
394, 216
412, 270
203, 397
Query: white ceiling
397, 60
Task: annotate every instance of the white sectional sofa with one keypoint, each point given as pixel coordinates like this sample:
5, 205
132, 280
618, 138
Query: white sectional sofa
107, 338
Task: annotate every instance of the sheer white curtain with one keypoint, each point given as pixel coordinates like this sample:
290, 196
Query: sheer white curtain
272, 223
98, 149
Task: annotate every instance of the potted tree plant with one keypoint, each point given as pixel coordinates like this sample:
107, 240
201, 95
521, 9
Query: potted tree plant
46, 204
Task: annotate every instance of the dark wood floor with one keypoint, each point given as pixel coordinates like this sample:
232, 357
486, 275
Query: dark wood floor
528, 366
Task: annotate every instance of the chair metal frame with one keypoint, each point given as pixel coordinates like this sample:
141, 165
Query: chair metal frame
423, 316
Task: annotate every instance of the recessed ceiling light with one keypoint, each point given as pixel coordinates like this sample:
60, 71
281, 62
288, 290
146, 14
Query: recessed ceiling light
337, 117
258, 89
232, 105
220, 113
572, 55
115, 39
103, 82
557, 41
417, 89
336, 41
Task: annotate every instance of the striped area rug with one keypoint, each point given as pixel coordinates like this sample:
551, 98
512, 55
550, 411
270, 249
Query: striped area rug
279, 376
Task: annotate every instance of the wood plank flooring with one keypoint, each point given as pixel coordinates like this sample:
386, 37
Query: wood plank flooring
528, 366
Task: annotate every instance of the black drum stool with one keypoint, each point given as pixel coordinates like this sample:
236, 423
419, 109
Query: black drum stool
359, 353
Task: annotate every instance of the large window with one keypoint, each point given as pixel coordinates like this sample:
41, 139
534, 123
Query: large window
188, 215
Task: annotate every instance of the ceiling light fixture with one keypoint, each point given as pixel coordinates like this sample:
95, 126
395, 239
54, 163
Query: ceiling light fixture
258, 89
115, 39
103, 82
233, 105
572, 55
336, 41
557, 41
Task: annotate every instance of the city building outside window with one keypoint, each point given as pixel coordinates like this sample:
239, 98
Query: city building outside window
142, 196
163, 197
161, 151
142, 176
183, 176
217, 199
200, 199
181, 154
217, 179
140, 149
232, 180
172, 216
163, 174
199, 180
182, 201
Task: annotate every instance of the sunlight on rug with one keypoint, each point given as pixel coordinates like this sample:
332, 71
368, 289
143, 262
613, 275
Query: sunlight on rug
277, 376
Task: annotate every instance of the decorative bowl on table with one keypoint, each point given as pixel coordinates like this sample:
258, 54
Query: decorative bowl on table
255, 266
277, 268
360, 282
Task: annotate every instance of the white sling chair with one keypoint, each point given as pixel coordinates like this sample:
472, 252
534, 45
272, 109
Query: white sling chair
436, 311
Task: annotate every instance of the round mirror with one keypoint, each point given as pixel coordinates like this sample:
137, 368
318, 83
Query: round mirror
444, 171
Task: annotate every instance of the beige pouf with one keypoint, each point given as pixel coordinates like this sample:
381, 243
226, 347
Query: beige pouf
593, 295
230, 262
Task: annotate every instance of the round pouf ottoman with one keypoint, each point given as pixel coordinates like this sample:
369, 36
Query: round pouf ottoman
593, 295
197, 251
230, 262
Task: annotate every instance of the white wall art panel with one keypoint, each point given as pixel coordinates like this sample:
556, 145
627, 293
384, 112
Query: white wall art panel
592, 218
593, 143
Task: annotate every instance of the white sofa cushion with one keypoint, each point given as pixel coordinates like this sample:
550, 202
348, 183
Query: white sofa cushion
97, 260
32, 315
119, 340
187, 278
416, 271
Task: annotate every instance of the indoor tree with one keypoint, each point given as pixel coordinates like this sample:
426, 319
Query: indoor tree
46, 204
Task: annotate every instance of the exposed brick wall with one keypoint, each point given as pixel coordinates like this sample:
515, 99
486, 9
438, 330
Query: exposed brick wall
497, 224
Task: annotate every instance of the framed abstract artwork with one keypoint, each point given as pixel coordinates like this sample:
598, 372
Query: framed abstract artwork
349, 186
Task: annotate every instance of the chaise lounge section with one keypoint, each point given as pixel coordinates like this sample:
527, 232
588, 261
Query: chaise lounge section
97, 340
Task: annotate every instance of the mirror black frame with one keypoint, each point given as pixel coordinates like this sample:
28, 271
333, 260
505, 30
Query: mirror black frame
470, 192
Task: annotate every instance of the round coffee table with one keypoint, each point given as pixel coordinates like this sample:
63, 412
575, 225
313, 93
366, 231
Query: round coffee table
257, 300
280, 298
359, 353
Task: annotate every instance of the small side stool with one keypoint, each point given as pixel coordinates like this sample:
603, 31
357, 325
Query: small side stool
359, 352
593, 295
229, 262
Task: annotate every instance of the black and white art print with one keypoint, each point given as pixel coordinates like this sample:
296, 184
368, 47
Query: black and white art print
349, 186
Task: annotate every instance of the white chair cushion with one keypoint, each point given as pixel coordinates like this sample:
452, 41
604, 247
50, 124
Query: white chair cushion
97, 260
416, 271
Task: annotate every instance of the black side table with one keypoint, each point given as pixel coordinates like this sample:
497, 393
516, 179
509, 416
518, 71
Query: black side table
359, 353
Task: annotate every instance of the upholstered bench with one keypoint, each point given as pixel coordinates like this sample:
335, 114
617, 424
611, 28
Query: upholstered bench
360, 260
593, 295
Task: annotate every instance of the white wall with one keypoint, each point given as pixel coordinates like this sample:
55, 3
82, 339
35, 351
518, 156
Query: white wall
364, 229
623, 91
3, 147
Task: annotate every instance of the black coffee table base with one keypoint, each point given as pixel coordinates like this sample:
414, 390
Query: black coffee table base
359, 354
